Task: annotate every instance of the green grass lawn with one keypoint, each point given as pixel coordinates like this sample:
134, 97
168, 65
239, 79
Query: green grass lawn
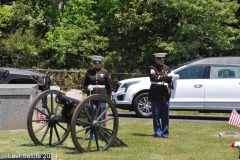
183, 113
187, 141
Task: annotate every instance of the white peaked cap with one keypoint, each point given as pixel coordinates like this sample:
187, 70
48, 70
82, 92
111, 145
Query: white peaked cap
160, 55
97, 59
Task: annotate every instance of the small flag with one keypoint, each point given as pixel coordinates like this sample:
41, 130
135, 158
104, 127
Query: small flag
234, 118
41, 116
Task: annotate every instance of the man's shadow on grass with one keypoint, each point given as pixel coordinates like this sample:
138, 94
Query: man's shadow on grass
142, 135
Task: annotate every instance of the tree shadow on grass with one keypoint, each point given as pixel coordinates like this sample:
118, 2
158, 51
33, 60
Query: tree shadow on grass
28, 145
72, 150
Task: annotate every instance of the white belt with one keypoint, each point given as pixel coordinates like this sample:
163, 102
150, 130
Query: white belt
98, 86
160, 83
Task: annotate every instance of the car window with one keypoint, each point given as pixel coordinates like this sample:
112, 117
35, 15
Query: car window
192, 72
217, 72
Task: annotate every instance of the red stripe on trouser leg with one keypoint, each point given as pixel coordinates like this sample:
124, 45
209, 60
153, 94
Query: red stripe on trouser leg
105, 116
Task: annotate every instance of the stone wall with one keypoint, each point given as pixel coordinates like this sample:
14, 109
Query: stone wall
15, 100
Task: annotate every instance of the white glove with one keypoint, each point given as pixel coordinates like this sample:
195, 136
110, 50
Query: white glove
235, 144
90, 87
171, 74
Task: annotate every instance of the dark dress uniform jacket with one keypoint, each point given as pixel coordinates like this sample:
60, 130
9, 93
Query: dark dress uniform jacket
98, 77
158, 91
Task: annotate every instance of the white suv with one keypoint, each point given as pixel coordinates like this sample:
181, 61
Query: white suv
204, 85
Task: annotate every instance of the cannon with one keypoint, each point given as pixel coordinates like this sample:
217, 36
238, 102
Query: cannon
52, 116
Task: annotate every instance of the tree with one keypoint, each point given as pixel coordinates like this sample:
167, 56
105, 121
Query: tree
126, 33
23, 48
5, 17
75, 37
186, 30
195, 29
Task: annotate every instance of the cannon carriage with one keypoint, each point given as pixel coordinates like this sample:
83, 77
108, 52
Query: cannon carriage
52, 116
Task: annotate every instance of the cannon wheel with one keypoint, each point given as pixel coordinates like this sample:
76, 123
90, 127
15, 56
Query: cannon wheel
89, 133
44, 122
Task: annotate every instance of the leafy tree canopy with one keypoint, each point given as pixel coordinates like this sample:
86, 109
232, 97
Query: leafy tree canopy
64, 34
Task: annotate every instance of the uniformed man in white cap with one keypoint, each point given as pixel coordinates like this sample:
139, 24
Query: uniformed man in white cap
159, 95
97, 81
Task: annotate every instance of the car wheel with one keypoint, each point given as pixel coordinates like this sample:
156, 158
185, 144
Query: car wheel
142, 106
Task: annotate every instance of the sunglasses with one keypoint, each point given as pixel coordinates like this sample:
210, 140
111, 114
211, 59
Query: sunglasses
96, 62
160, 58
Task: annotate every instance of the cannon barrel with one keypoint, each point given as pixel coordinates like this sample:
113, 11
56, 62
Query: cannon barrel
66, 101
69, 105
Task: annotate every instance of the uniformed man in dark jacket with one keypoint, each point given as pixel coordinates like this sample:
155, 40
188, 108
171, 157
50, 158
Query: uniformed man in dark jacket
97, 81
99, 78
159, 95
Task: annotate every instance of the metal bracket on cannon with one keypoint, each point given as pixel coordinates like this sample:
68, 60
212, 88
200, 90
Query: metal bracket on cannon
63, 114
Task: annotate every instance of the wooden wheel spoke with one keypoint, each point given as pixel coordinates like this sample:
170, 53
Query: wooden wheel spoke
44, 135
50, 138
44, 125
56, 131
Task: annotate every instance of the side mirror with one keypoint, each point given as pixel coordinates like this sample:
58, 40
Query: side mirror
175, 77
4, 75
